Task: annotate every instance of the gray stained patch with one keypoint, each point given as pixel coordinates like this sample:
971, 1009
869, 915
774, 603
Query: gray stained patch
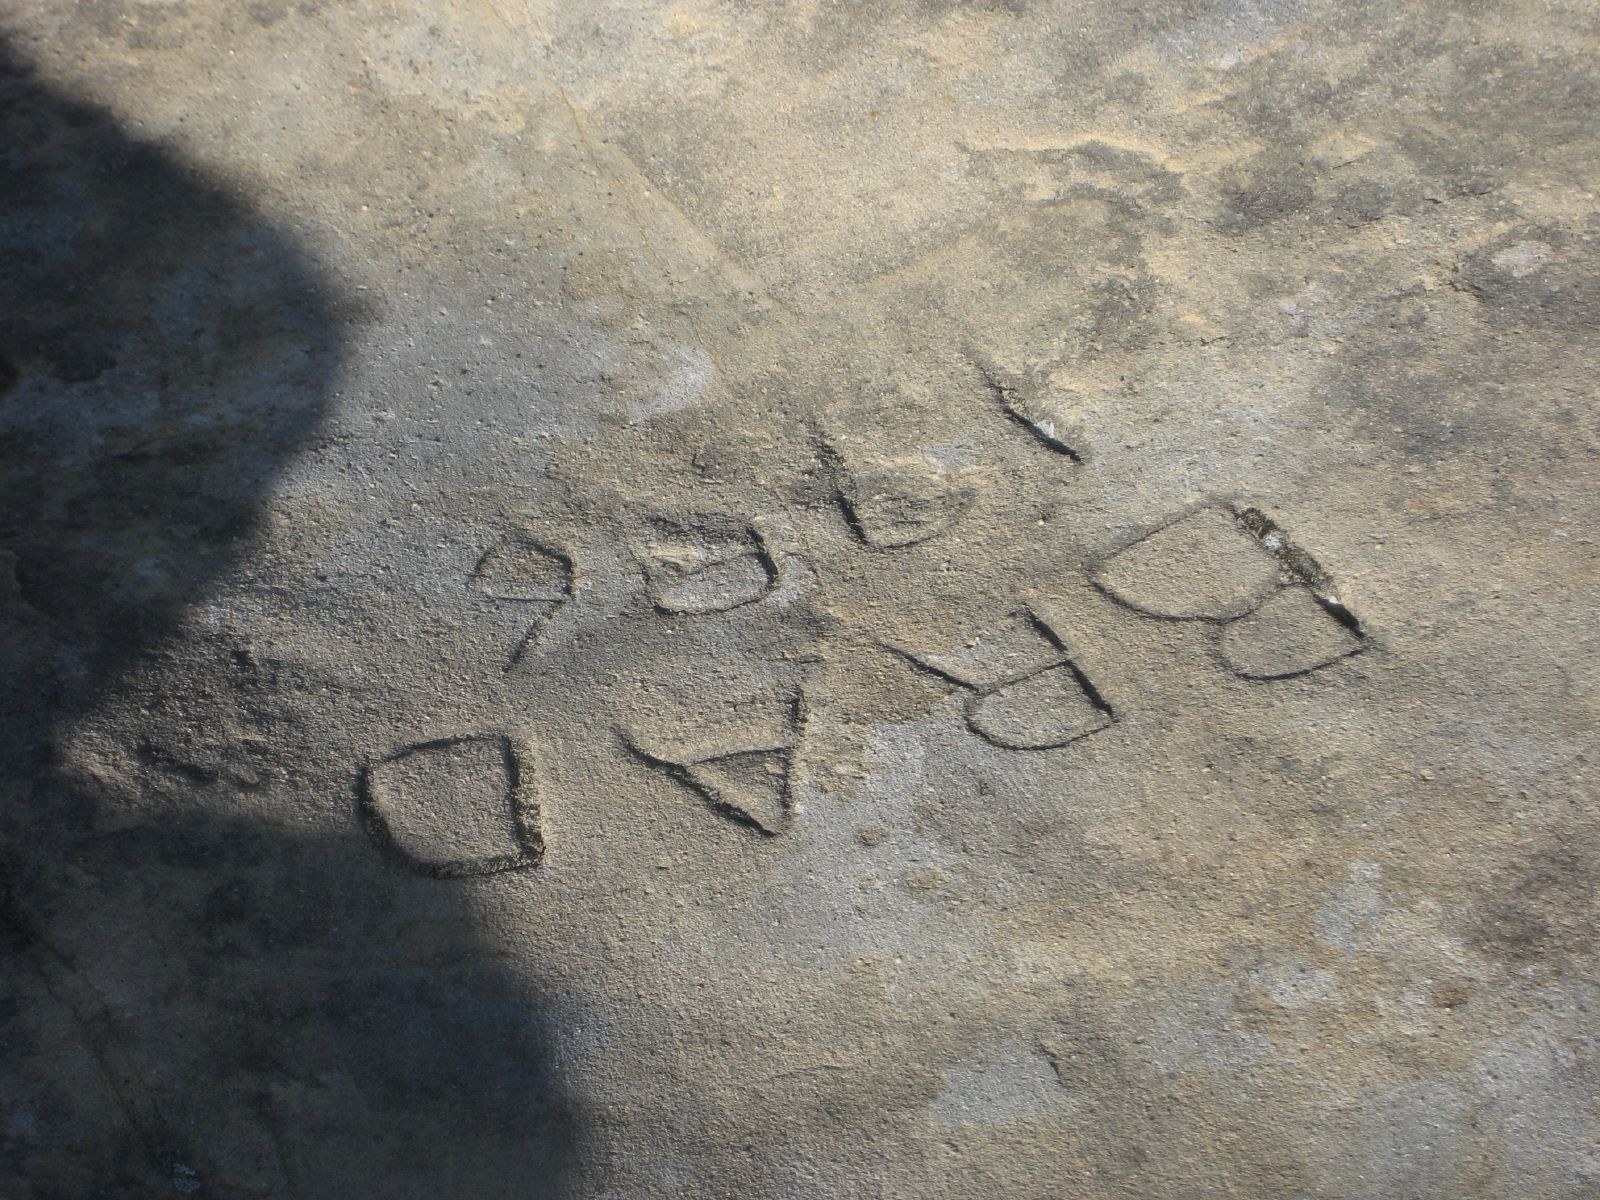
1012, 1081
455, 806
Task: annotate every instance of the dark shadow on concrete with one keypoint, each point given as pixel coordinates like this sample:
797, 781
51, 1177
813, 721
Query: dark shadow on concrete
200, 1005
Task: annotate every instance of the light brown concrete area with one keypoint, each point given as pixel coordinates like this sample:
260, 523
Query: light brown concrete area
831, 598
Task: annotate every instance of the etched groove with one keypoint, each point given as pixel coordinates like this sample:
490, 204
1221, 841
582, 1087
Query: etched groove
1203, 565
1012, 397
1293, 633
700, 572
751, 785
1278, 608
1048, 703
520, 569
488, 819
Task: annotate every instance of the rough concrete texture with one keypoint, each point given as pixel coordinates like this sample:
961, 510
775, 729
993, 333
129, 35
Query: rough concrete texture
824, 599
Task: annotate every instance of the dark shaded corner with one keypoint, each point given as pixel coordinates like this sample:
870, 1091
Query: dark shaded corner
195, 1003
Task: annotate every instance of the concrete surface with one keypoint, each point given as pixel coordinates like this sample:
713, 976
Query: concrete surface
799, 600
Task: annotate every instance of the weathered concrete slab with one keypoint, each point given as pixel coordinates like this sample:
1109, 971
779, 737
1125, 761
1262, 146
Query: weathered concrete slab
817, 599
